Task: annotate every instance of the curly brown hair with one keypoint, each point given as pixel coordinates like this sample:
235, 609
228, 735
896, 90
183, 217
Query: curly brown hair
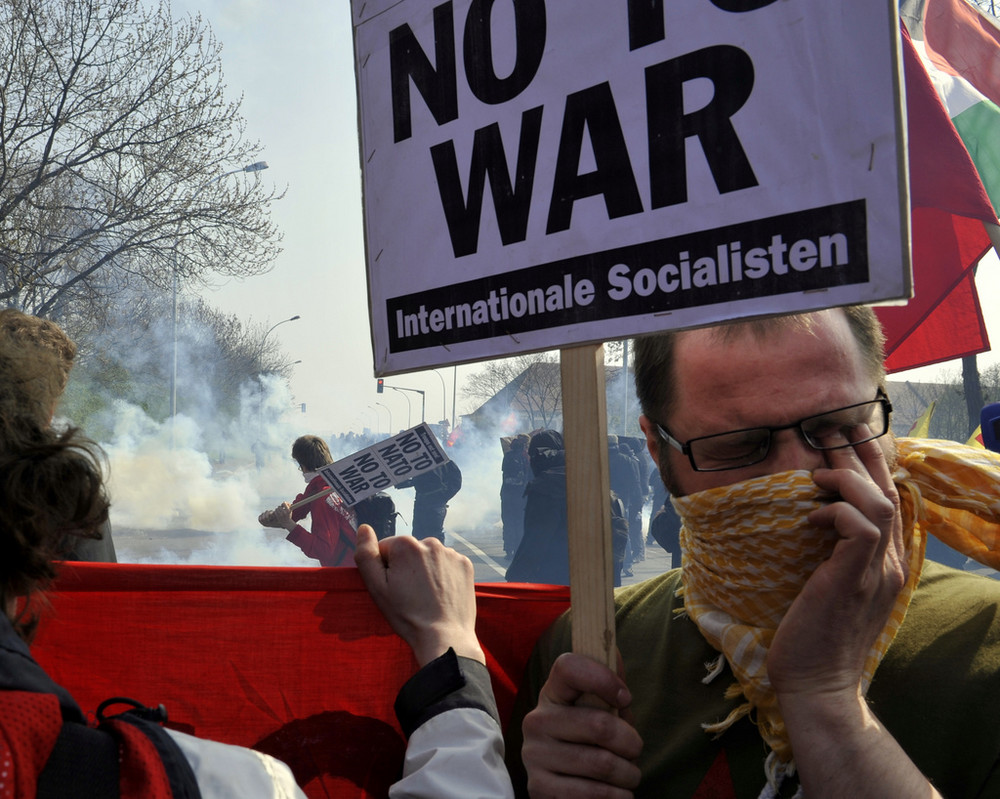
36, 356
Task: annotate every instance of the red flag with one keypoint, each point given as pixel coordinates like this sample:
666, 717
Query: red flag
949, 205
297, 663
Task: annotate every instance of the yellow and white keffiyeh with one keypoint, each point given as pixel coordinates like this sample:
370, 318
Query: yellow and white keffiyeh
747, 550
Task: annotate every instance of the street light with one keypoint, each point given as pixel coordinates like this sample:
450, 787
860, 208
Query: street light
409, 407
381, 405
423, 401
444, 397
260, 367
260, 352
256, 166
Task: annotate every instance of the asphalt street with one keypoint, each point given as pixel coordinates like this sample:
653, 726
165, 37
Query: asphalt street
484, 547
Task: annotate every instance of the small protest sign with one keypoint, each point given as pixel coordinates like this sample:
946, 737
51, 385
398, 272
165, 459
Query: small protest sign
385, 464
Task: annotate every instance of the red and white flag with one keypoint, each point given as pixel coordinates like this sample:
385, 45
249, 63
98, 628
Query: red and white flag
949, 201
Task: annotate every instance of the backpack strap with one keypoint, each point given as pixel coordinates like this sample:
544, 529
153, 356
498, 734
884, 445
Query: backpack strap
152, 764
349, 545
83, 761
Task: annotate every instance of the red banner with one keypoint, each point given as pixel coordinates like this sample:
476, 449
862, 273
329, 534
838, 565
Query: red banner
297, 663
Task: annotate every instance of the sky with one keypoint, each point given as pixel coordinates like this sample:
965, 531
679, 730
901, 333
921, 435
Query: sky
293, 64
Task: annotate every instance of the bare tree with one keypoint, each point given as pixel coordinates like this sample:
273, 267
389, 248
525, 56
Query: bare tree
527, 385
219, 356
531, 387
114, 132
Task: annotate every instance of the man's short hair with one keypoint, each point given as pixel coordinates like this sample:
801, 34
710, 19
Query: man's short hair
311, 452
654, 358
654, 353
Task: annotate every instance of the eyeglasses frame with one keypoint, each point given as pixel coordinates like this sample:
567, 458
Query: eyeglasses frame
684, 447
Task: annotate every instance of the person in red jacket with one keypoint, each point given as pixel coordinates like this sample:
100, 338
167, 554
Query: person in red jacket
333, 536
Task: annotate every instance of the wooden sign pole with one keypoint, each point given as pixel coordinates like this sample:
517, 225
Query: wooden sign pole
588, 499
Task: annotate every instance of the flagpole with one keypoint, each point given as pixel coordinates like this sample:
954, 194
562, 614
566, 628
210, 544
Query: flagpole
993, 231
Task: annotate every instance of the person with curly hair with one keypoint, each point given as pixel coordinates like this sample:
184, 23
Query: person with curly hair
36, 357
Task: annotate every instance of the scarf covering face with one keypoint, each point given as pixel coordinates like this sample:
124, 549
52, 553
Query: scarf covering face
747, 550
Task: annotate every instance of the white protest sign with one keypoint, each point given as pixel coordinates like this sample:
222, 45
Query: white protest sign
542, 174
385, 464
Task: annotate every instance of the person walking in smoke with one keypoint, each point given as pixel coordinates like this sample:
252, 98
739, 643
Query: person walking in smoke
623, 474
332, 538
637, 447
430, 505
516, 471
543, 556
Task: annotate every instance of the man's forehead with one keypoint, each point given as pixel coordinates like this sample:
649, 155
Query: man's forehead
828, 327
753, 361
764, 328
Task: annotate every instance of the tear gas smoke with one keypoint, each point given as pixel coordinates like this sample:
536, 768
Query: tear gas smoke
189, 491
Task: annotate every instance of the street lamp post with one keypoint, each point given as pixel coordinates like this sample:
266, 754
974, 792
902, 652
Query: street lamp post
257, 166
263, 340
444, 397
381, 405
409, 407
260, 367
423, 401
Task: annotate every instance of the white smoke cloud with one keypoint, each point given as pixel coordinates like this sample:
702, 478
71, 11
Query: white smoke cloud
186, 491
477, 505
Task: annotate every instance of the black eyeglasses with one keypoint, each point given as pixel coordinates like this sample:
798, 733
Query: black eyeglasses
835, 429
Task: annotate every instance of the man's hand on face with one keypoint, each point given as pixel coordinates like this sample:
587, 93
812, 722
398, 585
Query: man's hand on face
578, 751
822, 642
816, 661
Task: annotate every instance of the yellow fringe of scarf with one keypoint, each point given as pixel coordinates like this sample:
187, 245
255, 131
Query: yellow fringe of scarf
747, 550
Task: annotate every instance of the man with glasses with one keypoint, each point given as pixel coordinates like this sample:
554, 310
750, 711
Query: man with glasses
763, 667
842, 427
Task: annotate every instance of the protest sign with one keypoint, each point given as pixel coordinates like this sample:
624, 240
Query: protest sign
539, 175
385, 464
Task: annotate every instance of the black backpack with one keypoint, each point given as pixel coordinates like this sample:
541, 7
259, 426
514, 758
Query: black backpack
451, 478
379, 511
128, 756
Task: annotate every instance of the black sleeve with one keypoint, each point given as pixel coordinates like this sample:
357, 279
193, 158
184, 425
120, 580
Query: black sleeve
447, 683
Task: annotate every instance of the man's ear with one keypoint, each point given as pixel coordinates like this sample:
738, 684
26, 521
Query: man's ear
652, 439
